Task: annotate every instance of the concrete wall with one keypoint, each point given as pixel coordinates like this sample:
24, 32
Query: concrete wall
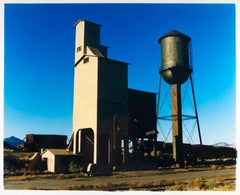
112, 101
85, 95
50, 160
142, 113
85, 99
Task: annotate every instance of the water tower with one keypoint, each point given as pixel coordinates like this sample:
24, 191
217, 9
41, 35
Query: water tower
176, 69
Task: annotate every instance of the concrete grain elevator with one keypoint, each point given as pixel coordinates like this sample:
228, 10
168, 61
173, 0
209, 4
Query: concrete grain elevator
110, 121
100, 98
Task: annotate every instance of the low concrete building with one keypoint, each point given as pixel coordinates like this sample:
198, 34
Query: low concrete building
58, 160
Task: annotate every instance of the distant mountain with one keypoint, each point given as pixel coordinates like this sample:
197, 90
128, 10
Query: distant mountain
224, 144
12, 142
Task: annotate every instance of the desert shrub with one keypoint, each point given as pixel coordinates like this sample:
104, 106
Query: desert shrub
211, 184
76, 187
170, 182
74, 167
228, 187
109, 184
219, 179
158, 183
214, 167
140, 184
82, 186
64, 187
29, 188
12, 163
177, 188
198, 183
90, 186
100, 186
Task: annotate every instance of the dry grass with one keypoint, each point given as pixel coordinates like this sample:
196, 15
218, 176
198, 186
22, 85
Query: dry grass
212, 184
197, 184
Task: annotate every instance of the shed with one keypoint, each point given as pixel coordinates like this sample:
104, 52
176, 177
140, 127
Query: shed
58, 160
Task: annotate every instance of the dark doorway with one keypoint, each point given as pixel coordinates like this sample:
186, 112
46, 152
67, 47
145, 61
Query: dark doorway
87, 145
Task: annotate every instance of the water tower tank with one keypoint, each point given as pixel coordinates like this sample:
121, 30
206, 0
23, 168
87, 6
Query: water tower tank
175, 57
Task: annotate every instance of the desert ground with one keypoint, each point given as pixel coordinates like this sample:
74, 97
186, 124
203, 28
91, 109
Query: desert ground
211, 178
192, 179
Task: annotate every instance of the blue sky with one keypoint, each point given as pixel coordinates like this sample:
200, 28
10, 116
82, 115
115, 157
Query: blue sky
39, 60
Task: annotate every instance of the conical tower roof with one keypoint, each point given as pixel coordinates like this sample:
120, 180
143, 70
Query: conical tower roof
174, 33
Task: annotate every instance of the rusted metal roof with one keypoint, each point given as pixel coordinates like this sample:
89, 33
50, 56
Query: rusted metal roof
174, 33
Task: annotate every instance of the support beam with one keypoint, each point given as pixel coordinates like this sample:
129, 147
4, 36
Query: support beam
196, 113
177, 139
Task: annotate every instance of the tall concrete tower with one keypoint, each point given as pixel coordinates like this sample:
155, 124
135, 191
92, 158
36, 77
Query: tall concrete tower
176, 70
100, 98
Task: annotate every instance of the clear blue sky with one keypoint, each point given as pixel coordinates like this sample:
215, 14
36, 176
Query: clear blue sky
39, 60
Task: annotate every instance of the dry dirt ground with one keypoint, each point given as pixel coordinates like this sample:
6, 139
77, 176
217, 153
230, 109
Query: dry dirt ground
192, 179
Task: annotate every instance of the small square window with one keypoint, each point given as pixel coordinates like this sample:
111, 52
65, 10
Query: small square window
86, 60
79, 48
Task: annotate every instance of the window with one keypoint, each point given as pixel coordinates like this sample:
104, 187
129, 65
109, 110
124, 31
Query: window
79, 48
86, 60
